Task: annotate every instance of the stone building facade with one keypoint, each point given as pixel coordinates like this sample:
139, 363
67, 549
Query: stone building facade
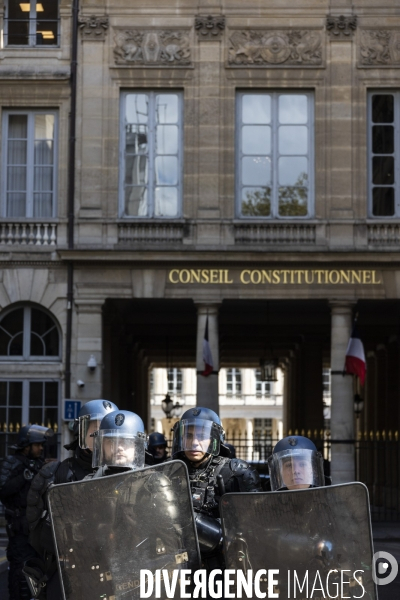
234, 161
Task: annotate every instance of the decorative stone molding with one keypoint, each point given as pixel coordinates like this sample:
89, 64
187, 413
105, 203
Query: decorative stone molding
380, 47
169, 47
385, 234
287, 233
268, 48
341, 28
209, 28
93, 28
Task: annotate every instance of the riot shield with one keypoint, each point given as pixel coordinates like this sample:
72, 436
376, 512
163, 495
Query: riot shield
316, 538
109, 528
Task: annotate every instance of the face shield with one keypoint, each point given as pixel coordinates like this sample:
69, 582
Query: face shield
114, 448
196, 435
87, 425
295, 469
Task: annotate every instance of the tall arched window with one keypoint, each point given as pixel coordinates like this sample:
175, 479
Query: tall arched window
29, 336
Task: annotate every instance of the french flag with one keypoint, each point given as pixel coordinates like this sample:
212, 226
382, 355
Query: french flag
355, 356
207, 356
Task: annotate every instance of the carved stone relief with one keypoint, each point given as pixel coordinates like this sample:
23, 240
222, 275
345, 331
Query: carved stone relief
262, 48
169, 48
380, 47
93, 28
209, 28
341, 27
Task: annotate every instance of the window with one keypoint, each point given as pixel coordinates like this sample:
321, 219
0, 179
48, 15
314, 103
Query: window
263, 388
175, 381
384, 154
263, 428
28, 333
28, 172
27, 401
151, 154
233, 382
275, 154
31, 23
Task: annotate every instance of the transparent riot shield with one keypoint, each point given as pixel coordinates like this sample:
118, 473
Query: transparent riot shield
316, 538
107, 529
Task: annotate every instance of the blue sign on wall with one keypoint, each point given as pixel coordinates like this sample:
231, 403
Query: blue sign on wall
71, 409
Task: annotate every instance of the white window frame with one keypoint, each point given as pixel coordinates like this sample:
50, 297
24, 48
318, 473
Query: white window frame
275, 154
173, 383
33, 18
152, 154
30, 162
396, 127
236, 379
266, 386
26, 357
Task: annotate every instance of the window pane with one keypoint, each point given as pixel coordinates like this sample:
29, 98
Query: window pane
9, 326
36, 416
166, 201
167, 139
293, 201
136, 108
256, 202
43, 152
166, 170
14, 418
292, 171
15, 347
50, 417
383, 202
50, 9
382, 108
44, 335
17, 126
136, 201
256, 108
16, 152
3, 393
15, 393
42, 205
36, 393
16, 178
16, 204
382, 139
46, 33
136, 171
293, 139
383, 169
18, 33
292, 109
256, 140
51, 393
136, 139
167, 108
256, 171
43, 179
44, 127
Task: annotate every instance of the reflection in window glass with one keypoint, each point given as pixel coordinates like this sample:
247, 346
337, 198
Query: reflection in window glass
152, 154
275, 135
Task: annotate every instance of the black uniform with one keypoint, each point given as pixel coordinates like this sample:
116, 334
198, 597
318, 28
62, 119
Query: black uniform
71, 469
16, 473
208, 483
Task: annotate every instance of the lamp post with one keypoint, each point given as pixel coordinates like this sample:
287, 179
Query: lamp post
170, 409
268, 369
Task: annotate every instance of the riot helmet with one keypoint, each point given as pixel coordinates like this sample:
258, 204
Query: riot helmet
120, 441
198, 430
89, 420
295, 464
156, 439
32, 434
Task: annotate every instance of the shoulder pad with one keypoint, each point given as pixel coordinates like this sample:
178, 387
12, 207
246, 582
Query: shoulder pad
247, 477
8, 465
35, 502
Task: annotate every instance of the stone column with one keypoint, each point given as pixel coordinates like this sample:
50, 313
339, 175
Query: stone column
207, 387
342, 408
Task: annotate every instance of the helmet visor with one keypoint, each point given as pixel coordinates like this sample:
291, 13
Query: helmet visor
37, 434
113, 448
196, 435
87, 425
296, 469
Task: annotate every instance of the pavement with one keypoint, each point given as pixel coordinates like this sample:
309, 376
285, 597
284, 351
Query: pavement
386, 538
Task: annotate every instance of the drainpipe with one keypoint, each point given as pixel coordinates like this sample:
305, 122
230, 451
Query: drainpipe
71, 194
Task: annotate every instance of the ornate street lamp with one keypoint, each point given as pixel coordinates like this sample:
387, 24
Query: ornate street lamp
269, 369
170, 409
358, 405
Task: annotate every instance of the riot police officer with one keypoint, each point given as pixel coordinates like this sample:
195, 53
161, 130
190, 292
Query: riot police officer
199, 442
16, 474
74, 468
158, 447
295, 464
